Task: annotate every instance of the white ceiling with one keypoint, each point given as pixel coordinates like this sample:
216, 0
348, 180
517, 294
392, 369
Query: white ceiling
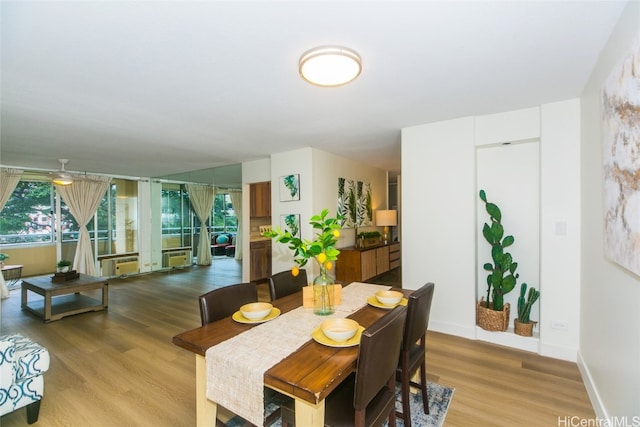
148, 88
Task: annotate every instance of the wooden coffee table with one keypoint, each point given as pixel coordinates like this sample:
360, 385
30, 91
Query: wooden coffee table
64, 298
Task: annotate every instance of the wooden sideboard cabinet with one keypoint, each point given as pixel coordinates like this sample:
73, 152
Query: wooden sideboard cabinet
260, 253
358, 265
260, 200
394, 255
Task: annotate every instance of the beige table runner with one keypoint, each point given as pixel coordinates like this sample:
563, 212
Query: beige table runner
236, 367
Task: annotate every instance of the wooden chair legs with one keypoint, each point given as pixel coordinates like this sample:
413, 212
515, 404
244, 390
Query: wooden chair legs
406, 385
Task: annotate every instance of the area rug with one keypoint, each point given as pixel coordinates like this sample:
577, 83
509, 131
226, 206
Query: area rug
439, 400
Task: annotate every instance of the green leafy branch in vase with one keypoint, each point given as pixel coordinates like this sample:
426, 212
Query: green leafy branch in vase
321, 248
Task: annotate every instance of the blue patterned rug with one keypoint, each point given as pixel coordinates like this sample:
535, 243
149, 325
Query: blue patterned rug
439, 400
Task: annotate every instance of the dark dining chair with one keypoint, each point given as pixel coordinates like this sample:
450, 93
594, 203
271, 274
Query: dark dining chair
223, 302
413, 351
367, 396
284, 283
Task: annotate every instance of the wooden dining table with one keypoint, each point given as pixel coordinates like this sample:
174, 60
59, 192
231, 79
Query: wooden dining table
308, 375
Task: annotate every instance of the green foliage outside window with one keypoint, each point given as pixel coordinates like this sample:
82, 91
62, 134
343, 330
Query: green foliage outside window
26, 218
224, 217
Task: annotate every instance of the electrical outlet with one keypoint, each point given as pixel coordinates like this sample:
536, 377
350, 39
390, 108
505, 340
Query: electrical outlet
561, 325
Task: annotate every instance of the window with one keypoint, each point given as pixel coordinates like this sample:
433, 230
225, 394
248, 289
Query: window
176, 216
117, 218
28, 216
224, 217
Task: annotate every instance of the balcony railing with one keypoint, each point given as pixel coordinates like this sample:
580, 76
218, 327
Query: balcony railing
72, 236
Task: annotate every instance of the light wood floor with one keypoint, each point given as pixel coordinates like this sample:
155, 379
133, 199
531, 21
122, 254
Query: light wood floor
119, 367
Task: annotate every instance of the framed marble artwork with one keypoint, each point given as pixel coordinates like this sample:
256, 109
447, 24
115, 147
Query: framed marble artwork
621, 158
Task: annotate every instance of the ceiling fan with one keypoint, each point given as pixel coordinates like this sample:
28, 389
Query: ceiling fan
62, 177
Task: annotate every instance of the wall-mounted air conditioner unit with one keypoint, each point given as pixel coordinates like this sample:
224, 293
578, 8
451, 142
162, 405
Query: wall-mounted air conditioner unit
176, 259
127, 267
120, 266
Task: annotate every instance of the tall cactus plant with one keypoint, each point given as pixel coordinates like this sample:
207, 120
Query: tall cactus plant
502, 272
524, 305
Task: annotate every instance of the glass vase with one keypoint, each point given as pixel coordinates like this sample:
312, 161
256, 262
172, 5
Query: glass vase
323, 293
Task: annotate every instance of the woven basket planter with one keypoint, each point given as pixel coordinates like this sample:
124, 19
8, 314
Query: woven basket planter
523, 329
491, 320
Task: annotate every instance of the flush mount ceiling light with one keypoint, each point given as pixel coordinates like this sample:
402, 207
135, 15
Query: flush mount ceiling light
62, 177
330, 65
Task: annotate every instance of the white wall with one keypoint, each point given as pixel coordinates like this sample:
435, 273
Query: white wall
439, 218
560, 228
282, 164
256, 171
610, 295
253, 171
319, 172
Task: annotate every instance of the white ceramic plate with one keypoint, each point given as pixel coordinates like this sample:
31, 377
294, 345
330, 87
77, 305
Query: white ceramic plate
238, 317
321, 338
372, 300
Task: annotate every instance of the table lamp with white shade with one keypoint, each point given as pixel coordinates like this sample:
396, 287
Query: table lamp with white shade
386, 219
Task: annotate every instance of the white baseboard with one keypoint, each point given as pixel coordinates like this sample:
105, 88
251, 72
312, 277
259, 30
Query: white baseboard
509, 339
452, 329
592, 391
558, 352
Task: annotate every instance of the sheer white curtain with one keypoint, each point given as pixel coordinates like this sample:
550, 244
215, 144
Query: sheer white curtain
236, 202
83, 198
201, 197
9, 179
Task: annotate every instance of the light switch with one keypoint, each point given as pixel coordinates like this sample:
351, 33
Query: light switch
561, 228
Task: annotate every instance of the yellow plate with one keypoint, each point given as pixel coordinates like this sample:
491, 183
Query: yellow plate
238, 317
320, 337
372, 300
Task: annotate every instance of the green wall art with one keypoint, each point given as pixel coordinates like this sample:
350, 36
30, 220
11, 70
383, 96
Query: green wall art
290, 188
291, 223
354, 203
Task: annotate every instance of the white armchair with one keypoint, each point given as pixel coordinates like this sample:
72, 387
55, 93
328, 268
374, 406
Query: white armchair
22, 365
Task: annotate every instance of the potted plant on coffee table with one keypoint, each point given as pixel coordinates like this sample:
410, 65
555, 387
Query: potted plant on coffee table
492, 314
63, 265
523, 325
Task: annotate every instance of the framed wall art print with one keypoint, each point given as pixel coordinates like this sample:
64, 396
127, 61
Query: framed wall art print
290, 188
621, 158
